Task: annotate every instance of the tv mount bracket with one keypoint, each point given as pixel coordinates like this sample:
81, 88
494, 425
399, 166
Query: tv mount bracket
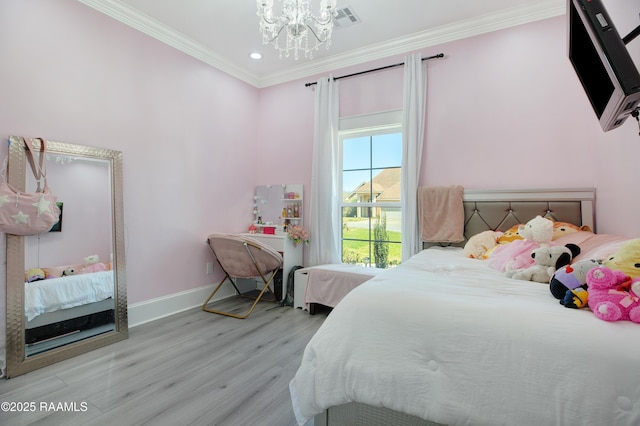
633, 34
626, 40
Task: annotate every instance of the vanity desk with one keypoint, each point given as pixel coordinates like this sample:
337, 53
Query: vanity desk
291, 255
274, 208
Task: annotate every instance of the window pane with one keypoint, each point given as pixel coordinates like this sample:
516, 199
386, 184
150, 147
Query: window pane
356, 252
371, 236
356, 153
386, 255
371, 175
355, 186
386, 185
386, 150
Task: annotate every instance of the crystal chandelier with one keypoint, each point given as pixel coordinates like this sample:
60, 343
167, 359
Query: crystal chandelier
294, 25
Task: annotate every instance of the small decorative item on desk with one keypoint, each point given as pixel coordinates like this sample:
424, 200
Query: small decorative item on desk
252, 229
298, 235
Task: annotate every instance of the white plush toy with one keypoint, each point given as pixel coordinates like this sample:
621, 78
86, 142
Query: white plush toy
536, 233
547, 261
89, 260
538, 229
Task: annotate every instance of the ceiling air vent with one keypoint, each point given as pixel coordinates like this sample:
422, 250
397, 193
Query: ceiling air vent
345, 17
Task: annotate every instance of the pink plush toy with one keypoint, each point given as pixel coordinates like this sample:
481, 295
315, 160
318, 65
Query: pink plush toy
95, 267
93, 264
613, 296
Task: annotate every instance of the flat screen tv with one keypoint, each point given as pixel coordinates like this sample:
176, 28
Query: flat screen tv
602, 62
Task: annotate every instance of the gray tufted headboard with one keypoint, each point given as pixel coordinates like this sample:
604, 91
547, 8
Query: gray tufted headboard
500, 209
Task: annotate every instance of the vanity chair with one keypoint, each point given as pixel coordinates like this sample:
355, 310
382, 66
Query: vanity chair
243, 257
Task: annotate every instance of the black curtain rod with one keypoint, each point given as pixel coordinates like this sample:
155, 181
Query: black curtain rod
439, 55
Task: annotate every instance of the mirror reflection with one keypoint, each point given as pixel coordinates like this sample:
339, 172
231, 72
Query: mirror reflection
69, 285
66, 289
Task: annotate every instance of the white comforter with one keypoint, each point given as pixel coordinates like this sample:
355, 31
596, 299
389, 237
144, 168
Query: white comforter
450, 340
66, 292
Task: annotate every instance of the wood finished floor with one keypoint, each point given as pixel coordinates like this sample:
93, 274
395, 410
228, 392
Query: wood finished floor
193, 368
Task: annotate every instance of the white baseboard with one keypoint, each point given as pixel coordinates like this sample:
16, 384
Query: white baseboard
150, 310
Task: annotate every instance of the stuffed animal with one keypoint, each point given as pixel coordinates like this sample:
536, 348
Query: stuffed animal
547, 261
95, 267
576, 298
538, 229
626, 259
571, 277
479, 244
89, 260
35, 274
536, 233
613, 295
93, 264
69, 271
505, 237
511, 234
560, 229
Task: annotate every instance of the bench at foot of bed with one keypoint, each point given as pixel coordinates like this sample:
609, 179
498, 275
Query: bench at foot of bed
327, 284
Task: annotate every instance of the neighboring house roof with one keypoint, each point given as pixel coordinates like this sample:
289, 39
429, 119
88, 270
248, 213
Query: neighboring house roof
387, 177
391, 194
366, 188
385, 186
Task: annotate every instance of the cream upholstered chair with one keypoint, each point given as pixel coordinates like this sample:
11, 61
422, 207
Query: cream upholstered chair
243, 257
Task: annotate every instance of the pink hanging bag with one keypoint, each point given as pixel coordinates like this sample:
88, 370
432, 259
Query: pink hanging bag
29, 213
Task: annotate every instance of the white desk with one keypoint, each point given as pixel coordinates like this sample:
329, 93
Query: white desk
291, 255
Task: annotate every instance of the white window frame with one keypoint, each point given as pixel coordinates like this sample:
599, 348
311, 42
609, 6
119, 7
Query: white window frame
365, 125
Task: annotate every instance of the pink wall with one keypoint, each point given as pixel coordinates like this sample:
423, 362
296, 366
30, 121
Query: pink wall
186, 130
504, 110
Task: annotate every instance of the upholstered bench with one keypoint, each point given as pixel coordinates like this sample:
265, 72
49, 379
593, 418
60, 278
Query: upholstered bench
328, 284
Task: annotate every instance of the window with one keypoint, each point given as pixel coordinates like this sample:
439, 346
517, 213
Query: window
371, 209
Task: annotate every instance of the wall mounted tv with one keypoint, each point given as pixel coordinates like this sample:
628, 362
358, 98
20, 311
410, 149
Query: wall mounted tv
603, 64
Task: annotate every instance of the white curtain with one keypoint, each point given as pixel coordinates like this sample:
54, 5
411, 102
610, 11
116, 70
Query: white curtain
324, 206
413, 116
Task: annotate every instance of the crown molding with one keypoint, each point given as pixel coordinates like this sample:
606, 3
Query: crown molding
153, 28
531, 12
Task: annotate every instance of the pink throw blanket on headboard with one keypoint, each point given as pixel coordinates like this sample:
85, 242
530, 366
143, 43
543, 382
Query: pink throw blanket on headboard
441, 212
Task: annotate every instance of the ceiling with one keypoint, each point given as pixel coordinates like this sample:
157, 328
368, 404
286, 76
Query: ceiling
222, 33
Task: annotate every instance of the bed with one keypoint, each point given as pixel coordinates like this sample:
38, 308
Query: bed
446, 340
62, 309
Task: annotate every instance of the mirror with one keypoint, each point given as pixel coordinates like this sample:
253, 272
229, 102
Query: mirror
84, 253
268, 204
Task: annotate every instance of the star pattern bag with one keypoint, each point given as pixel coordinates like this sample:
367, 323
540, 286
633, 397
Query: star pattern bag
29, 213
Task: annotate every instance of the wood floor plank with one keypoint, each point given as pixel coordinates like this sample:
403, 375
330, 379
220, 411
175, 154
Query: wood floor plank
193, 368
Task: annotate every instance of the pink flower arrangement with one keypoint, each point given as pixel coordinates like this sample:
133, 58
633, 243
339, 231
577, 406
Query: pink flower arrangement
298, 234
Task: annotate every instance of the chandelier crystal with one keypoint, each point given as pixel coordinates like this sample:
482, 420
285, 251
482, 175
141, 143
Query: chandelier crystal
296, 29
